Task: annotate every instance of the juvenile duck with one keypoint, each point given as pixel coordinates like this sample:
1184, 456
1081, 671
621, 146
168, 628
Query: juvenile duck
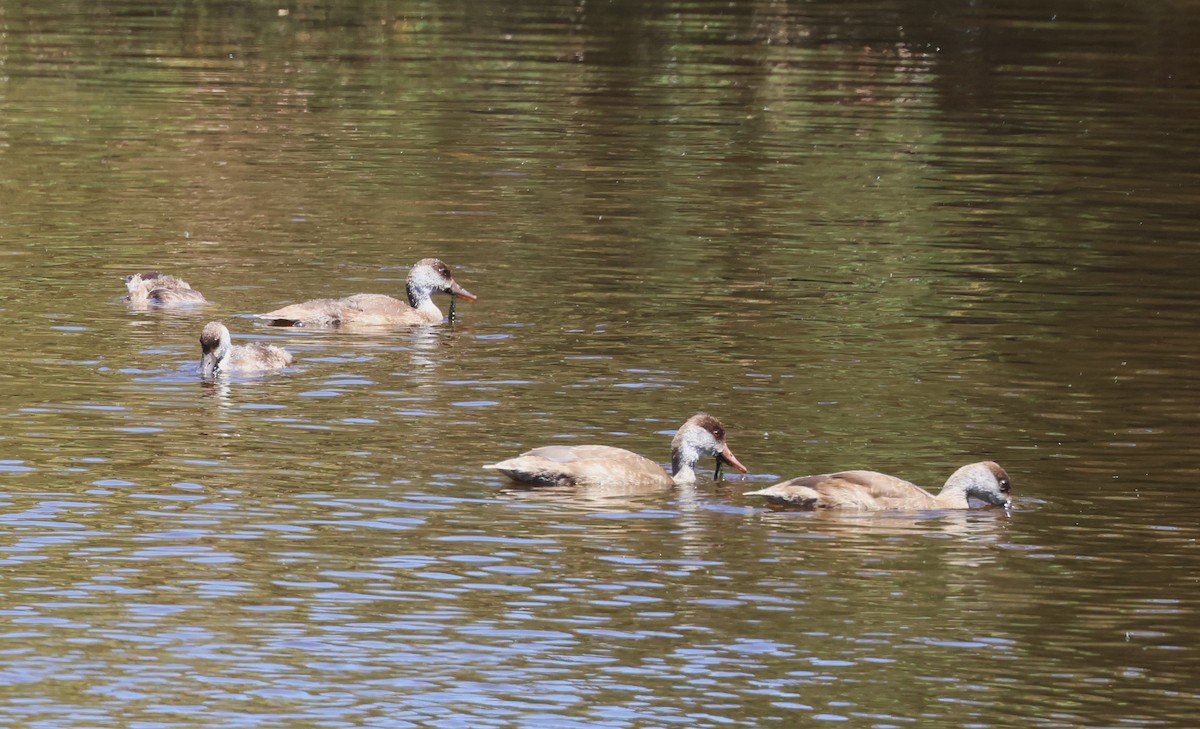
428, 276
872, 491
220, 356
159, 289
609, 467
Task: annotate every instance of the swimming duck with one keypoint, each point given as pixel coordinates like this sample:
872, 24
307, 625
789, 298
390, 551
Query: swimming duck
871, 491
220, 356
428, 276
159, 289
609, 467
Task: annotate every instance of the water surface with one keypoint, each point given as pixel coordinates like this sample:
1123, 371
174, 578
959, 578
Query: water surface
900, 236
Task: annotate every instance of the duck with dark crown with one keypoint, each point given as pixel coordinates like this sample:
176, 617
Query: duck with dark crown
872, 491
428, 276
610, 467
219, 356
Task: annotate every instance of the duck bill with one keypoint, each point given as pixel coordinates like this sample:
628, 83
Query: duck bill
208, 365
456, 290
728, 457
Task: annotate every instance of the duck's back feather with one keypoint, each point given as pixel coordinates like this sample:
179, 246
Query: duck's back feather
257, 356
865, 490
359, 309
584, 465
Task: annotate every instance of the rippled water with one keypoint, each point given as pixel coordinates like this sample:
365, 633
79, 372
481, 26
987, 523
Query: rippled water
894, 236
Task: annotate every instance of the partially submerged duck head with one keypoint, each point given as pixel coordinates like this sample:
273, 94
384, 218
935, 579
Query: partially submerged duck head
218, 354
215, 344
985, 481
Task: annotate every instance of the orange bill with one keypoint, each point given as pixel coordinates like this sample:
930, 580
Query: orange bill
457, 290
732, 460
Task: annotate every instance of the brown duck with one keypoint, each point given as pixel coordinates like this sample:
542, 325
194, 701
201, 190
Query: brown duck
218, 355
609, 467
158, 289
872, 491
427, 277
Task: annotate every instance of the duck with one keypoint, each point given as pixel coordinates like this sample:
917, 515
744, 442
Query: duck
607, 467
218, 355
428, 276
159, 289
873, 491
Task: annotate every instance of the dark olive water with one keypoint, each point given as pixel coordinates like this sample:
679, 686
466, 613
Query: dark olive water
893, 235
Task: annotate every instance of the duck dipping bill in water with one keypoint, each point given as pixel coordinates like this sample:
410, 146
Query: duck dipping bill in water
218, 355
872, 491
427, 277
158, 289
607, 466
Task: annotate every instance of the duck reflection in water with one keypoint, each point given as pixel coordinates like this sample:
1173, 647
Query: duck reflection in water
633, 498
605, 467
888, 537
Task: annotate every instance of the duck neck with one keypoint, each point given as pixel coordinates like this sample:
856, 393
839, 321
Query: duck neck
683, 464
954, 494
421, 299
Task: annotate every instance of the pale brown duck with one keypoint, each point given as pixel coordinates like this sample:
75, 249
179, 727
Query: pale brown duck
158, 289
872, 491
609, 467
218, 355
427, 277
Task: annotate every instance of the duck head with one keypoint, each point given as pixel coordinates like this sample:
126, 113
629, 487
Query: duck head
214, 348
429, 276
985, 481
702, 435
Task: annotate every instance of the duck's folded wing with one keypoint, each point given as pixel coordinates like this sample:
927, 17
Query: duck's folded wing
844, 490
801, 491
376, 304
583, 464
571, 454
874, 490
534, 469
316, 310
